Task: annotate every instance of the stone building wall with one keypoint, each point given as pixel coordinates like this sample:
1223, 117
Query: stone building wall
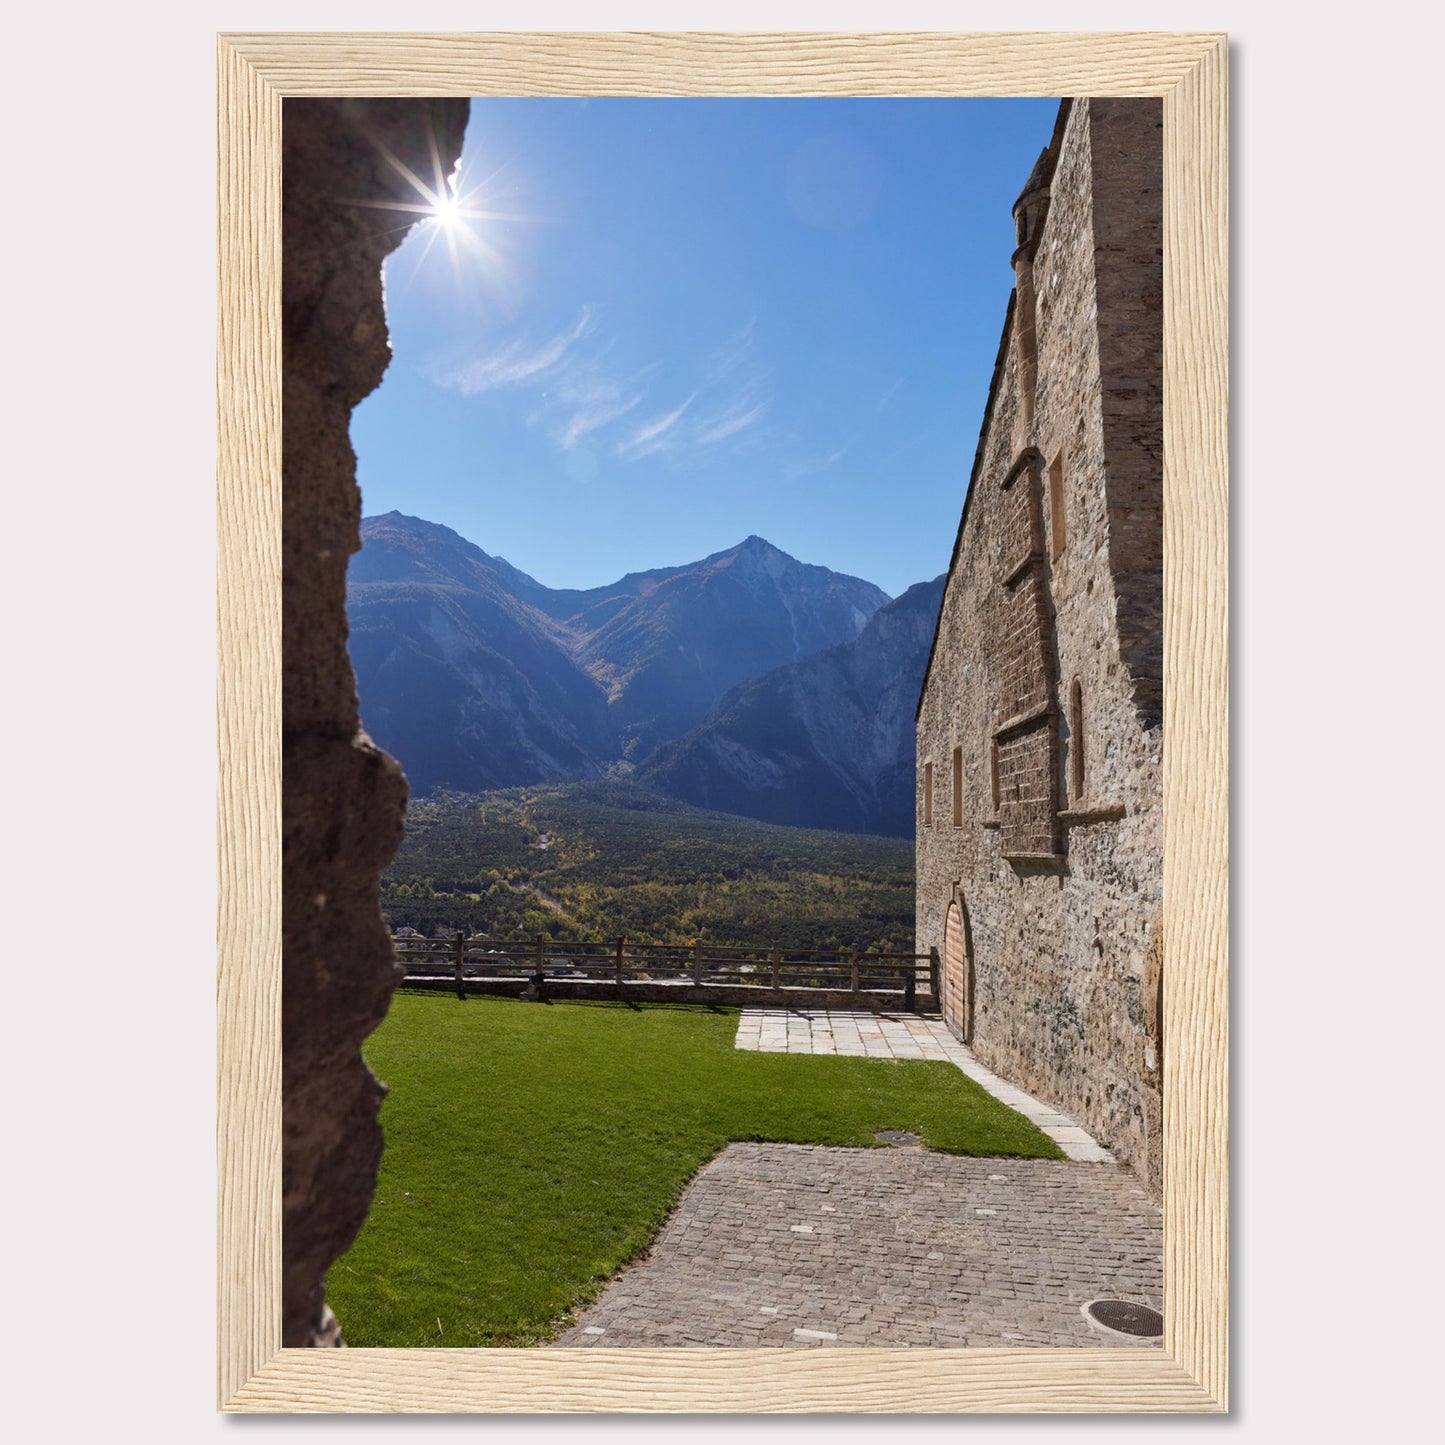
342, 798
1047, 661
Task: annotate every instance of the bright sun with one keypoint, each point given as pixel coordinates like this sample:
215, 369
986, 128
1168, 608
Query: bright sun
445, 214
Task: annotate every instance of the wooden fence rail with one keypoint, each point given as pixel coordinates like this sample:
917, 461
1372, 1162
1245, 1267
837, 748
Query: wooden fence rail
623, 962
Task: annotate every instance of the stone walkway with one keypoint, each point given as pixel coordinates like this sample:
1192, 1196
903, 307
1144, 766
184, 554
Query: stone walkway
785, 1244
905, 1036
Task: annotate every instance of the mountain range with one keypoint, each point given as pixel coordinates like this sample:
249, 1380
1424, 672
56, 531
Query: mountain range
773, 688
827, 742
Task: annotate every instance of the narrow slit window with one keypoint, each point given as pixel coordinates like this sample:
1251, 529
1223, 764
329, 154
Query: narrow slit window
957, 786
927, 793
1077, 773
993, 775
1056, 507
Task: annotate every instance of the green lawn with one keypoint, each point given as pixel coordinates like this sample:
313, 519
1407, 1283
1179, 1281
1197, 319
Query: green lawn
533, 1149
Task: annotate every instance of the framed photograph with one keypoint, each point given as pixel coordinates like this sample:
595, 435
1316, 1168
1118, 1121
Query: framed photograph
1010, 780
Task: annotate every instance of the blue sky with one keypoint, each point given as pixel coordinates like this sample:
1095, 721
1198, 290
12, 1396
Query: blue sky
674, 323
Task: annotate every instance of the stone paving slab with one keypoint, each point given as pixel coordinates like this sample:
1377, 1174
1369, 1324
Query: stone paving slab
905, 1036
796, 1245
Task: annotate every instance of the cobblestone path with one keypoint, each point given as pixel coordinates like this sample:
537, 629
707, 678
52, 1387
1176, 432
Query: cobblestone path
785, 1244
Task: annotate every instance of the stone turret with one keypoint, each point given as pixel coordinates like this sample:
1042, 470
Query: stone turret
1029, 212
1033, 204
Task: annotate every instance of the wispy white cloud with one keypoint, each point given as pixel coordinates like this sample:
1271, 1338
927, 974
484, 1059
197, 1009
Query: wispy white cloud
731, 367
578, 384
736, 351
592, 395
594, 417
737, 418
655, 435
516, 363
811, 466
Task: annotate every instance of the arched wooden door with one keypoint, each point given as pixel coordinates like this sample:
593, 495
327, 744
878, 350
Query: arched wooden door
958, 971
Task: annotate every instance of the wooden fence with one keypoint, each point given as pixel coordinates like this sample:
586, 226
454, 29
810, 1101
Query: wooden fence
623, 967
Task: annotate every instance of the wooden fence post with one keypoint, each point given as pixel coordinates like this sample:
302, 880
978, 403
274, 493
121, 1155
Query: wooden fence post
933, 977
910, 988
621, 942
853, 975
697, 962
777, 967
460, 946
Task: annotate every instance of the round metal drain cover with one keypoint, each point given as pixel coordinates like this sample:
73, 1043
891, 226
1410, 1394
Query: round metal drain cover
899, 1137
1125, 1318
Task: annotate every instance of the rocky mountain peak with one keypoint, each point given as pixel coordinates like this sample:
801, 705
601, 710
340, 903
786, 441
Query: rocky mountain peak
476, 675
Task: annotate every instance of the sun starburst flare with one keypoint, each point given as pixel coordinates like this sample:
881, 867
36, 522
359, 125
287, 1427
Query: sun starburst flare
455, 216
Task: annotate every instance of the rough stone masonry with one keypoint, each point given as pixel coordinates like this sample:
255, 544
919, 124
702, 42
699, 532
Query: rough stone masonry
342, 799
1040, 831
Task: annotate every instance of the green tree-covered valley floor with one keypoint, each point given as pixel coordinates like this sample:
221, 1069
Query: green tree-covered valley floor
595, 860
533, 1149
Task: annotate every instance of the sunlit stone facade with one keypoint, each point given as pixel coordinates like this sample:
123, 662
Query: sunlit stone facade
1040, 875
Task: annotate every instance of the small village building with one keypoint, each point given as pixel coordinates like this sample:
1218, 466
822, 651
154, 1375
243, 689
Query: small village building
1040, 725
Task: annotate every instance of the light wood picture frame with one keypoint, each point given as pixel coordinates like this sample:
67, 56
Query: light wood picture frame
1189, 1373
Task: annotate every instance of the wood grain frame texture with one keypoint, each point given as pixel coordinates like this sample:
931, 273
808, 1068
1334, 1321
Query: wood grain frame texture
1189, 71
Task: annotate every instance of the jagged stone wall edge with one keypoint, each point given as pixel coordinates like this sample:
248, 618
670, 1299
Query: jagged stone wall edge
342, 798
